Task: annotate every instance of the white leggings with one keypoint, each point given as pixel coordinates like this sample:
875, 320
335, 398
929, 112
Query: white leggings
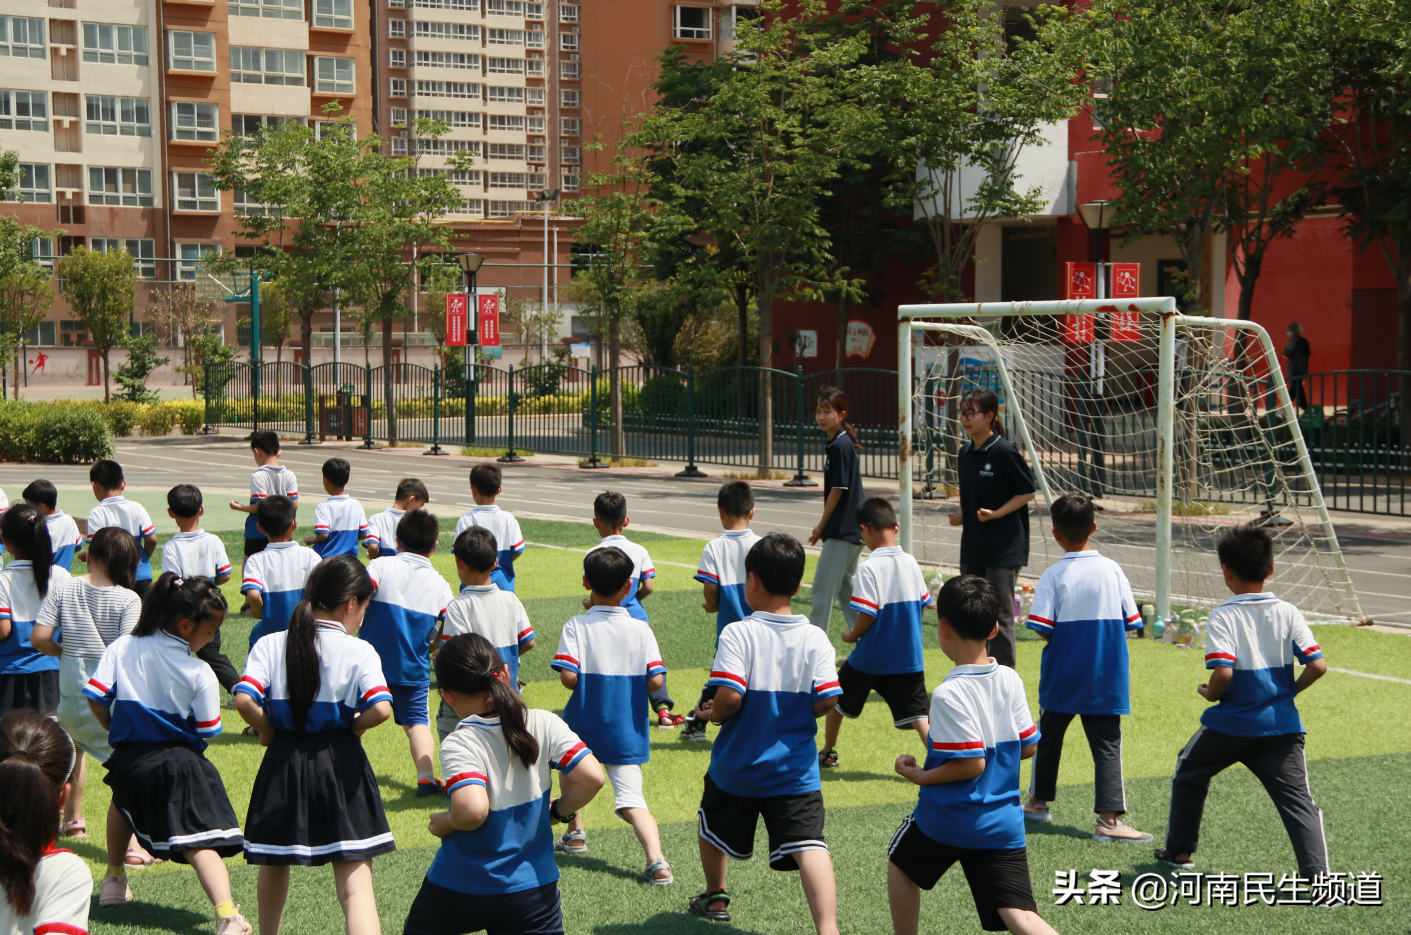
626, 782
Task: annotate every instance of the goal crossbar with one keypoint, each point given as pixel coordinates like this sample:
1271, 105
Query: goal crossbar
912, 323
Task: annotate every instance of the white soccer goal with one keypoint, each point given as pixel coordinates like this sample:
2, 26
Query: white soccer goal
1179, 427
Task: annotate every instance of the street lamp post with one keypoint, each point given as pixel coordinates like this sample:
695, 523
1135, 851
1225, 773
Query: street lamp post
470, 266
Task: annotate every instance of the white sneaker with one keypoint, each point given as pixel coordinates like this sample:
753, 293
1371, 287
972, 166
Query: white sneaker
1120, 831
1038, 813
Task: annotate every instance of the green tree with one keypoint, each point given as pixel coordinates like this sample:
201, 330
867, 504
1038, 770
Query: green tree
100, 288
26, 286
181, 312
132, 376
9, 174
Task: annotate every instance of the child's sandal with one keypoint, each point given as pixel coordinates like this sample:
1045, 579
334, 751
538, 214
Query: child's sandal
574, 842
828, 759
650, 874
1166, 857
700, 905
76, 828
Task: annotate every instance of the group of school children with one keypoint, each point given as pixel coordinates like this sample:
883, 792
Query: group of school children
130, 671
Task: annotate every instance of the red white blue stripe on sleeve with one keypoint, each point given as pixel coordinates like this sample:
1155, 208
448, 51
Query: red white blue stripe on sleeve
566, 662
250, 687
518, 547
649, 572
372, 696
656, 667
958, 748
572, 757
461, 780
1031, 735
1215, 660
149, 531
1042, 624
703, 575
321, 527
370, 536
227, 567
4, 613
863, 606
825, 690
208, 728
1306, 656
727, 680
59, 928
526, 635
252, 584
97, 691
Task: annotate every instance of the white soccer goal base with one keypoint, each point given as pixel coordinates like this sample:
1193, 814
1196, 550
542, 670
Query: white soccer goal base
1178, 426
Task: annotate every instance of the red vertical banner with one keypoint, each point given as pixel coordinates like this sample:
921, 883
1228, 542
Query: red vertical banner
457, 319
489, 308
1126, 280
1080, 282
1126, 324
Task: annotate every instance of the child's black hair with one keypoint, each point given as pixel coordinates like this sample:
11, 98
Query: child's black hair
777, 561
607, 570
418, 530
467, 664
1072, 515
119, 552
36, 759
486, 479
333, 582
42, 492
735, 498
876, 512
836, 400
337, 471
106, 473
184, 500
611, 507
276, 514
412, 487
476, 547
970, 604
1248, 551
173, 599
27, 532
266, 441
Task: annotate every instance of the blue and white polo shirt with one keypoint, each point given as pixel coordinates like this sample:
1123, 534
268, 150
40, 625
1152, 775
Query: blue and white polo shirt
1084, 604
514, 849
1259, 637
125, 514
342, 519
723, 564
613, 654
269, 480
279, 573
19, 604
382, 531
64, 537
195, 553
509, 541
782, 664
977, 711
350, 680
495, 614
401, 621
890, 588
157, 691
642, 569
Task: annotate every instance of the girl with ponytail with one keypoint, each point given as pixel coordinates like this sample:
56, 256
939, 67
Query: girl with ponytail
838, 529
495, 869
29, 678
311, 692
41, 889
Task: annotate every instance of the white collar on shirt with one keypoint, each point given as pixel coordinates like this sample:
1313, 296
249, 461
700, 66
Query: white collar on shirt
393, 509
283, 545
413, 558
888, 550
485, 508
480, 589
193, 534
1256, 596
781, 619
615, 537
986, 669
20, 563
333, 625
276, 468
736, 533
118, 499
608, 610
338, 496
54, 515
475, 720
1086, 553
175, 642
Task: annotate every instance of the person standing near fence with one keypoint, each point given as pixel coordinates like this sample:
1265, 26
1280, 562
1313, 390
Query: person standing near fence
838, 530
1297, 352
995, 489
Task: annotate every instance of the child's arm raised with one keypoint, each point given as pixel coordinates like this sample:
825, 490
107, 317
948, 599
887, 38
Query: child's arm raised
956, 770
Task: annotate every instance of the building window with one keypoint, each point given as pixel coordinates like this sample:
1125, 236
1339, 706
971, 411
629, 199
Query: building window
504, 7
455, 118
570, 182
21, 37
333, 75
448, 89
508, 179
536, 153
446, 147
43, 334
737, 15
195, 191
570, 71
506, 122
534, 11
322, 128
35, 183
246, 205
397, 4
534, 68
511, 151
534, 39
396, 58
114, 45
570, 154
190, 255
266, 66
426, 30
399, 146
128, 188
472, 207
570, 98
534, 96
191, 51
255, 124
23, 110
399, 116
507, 209
333, 14
504, 37
269, 9
396, 29
570, 126
142, 250
568, 13
505, 66
397, 87
463, 177
118, 116
448, 60
534, 124
691, 22
568, 42
195, 121
467, 5
506, 95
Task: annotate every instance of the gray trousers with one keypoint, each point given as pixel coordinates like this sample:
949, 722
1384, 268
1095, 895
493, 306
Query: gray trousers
832, 580
1002, 646
1104, 739
1278, 762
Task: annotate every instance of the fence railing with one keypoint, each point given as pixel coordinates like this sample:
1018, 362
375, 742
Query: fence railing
1353, 421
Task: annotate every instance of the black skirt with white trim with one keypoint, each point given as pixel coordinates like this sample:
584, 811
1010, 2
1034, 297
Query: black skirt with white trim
315, 801
173, 798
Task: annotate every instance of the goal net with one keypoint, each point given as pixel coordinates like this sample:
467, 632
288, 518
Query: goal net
1179, 427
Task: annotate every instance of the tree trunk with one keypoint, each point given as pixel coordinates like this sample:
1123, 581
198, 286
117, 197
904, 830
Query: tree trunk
1195, 267
1253, 264
742, 311
764, 299
842, 336
306, 336
106, 397
619, 433
389, 400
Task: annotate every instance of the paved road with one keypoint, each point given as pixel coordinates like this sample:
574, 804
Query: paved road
1378, 548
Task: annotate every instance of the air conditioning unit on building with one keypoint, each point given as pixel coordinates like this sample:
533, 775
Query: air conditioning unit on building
403, 134
573, 57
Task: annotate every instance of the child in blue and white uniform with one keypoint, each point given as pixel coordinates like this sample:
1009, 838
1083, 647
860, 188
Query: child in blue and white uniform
483, 608
495, 870
340, 524
160, 706
114, 509
401, 625
273, 580
29, 678
270, 479
311, 692
63, 531
485, 486
193, 551
610, 661
381, 539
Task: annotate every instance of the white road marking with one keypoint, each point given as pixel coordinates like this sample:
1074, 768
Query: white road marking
1369, 675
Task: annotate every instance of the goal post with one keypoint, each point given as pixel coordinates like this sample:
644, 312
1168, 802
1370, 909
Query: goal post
1218, 423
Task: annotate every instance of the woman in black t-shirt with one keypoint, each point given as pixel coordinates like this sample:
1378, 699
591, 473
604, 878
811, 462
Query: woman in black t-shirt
995, 490
842, 492
1297, 352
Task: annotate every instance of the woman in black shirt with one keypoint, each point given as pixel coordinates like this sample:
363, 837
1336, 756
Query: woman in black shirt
995, 490
1297, 352
842, 492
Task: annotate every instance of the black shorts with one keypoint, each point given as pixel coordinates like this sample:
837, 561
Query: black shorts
255, 545
904, 692
794, 823
999, 879
441, 911
37, 691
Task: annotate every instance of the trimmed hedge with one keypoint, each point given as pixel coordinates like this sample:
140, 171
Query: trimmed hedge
53, 433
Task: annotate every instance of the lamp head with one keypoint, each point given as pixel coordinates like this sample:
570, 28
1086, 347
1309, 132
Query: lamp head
1097, 215
469, 262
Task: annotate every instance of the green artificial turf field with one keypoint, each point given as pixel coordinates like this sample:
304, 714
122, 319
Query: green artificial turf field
1358, 767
